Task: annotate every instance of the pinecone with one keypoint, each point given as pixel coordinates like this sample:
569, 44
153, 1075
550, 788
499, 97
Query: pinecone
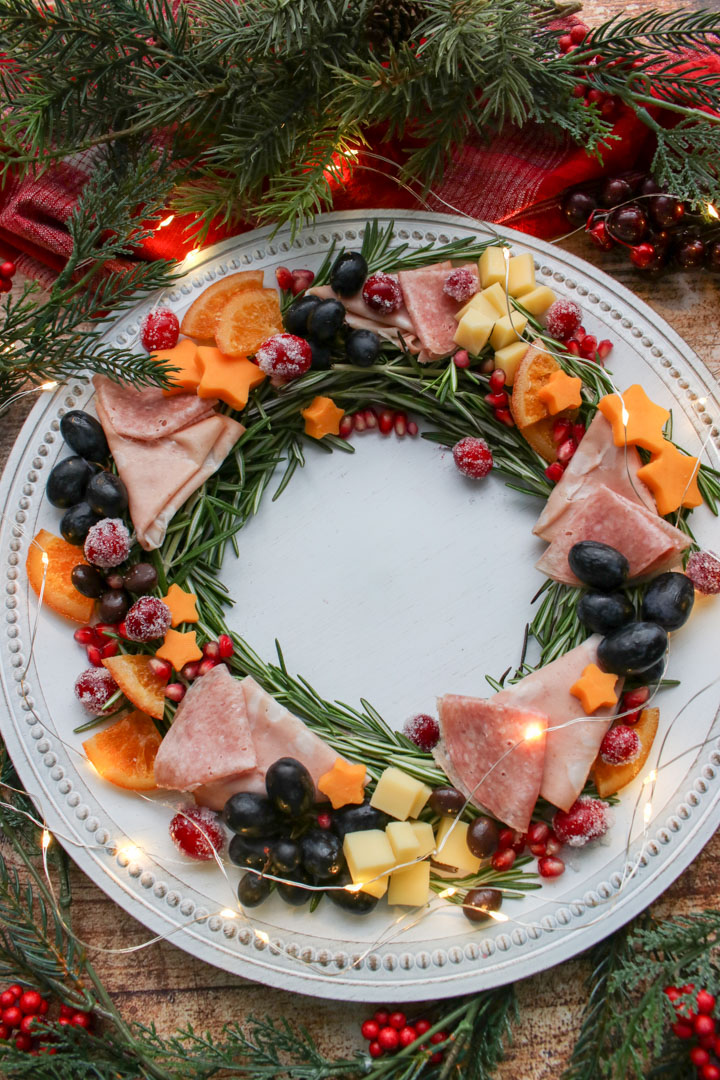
391, 22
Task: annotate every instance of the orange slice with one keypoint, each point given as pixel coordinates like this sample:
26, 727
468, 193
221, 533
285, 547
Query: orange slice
533, 372
200, 318
60, 593
540, 437
124, 754
610, 778
246, 320
139, 683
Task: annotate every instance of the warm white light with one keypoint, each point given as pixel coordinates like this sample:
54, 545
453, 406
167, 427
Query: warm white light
353, 888
533, 731
447, 892
650, 778
647, 812
166, 221
712, 211
48, 385
262, 936
45, 559
131, 851
498, 916
46, 839
227, 913
625, 416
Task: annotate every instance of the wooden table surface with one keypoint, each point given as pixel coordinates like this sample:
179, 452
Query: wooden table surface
167, 986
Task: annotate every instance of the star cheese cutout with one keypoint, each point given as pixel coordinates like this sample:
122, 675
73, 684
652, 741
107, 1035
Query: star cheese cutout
322, 417
672, 478
644, 419
595, 688
345, 783
184, 356
179, 649
226, 378
560, 392
182, 605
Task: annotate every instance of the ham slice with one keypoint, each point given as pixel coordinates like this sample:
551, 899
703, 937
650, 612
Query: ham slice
210, 736
396, 327
477, 734
569, 751
596, 462
648, 542
147, 414
431, 309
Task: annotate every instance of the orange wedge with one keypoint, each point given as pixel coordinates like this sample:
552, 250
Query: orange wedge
124, 754
60, 593
610, 778
200, 318
138, 682
246, 320
533, 373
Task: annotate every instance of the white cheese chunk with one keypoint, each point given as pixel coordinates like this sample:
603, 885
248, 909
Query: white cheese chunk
506, 330
397, 794
411, 886
473, 331
521, 275
403, 841
452, 850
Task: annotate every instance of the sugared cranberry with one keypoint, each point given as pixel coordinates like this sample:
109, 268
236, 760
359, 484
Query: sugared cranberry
160, 330
461, 284
382, 293
149, 618
107, 543
562, 319
197, 833
473, 457
620, 745
94, 688
423, 730
703, 569
587, 819
285, 355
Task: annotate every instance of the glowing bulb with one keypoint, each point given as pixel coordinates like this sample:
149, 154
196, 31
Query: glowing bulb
48, 385
45, 559
262, 936
447, 892
353, 888
46, 840
498, 916
625, 415
166, 221
228, 913
712, 211
650, 778
647, 812
534, 731
130, 851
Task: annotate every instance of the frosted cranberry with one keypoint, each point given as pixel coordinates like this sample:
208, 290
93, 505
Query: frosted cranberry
423, 730
149, 618
286, 355
587, 819
461, 284
550, 866
473, 457
620, 745
703, 569
197, 832
107, 543
562, 319
94, 688
382, 293
160, 330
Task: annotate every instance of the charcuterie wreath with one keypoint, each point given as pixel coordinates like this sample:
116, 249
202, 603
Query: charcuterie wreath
315, 801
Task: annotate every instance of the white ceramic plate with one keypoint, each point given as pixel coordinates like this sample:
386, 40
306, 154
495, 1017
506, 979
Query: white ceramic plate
384, 575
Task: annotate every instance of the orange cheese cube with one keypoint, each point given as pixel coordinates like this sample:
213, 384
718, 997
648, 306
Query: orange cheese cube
226, 378
183, 356
322, 417
635, 419
595, 689
560, 392
672, 478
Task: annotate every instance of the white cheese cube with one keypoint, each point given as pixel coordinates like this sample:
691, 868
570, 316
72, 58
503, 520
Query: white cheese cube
411, 886
509, 358
452, 853
491, 266
397, 793
496, 297
420, 799
425, 837
369, 854
403, 841
473, 331
521, 275
479, 302
506, 330
538, 300
377, 888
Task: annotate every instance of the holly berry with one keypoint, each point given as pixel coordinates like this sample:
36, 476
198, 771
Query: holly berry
703, 1025
382, 293
197, 833
7, 270
423, 730
107, 543
562, 319
497, 380
397, 1020
473, 457
283, 276
643, 256
587, 819
407, 1035
370, 1029
461, 284
375, 1050
93, 689
381, 1016
388, 1039
148, 618
703, 569
620, 745
160, 330
627, 223
285, 355
12, 1017
705, 1002
421, 1026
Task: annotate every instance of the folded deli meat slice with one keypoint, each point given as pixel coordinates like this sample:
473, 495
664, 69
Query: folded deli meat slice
485, 752
432, 311
396, 327
569, 750
147, 414
210, 736
648, 542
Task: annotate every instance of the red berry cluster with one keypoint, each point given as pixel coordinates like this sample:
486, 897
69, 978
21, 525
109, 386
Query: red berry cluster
498, 399
383, 420
541, 842
697, 1024
214, 653
21, 1011
100, 641
387, 1032
294, 281
7, 271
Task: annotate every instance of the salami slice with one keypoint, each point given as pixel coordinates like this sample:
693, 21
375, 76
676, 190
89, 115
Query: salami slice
485, 752
147, 414
431, 309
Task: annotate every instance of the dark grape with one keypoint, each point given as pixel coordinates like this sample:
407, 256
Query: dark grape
249, 851
85, 435
615, 191
295, 318
598, 565
107, 495
290, 786
250, 814
690, 254
627, 223
482, 836
447, 800
604, 612
669, 600
632, 648
321, 853
76, 523
357, 818
291, 894
665, 210
68, 481
140, 579
355, 902
253, 889
362, 348
348, 273
578, 207
478, 902
712, 256
285, 855
321, 356
88, 581
113, 607
325, 320
649, 187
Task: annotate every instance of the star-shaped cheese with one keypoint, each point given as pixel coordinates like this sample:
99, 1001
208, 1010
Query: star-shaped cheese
635, 419
227, 378
345, 783
182, 605
672, 478
595, 689
179, 648
322, 417
560, 392
183, 356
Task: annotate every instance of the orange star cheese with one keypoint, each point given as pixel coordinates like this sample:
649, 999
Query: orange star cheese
345, 783
184, 356
635, 419
595, 689
672, 478
560, 392
181, 604
226, 378
322, 417
179, 648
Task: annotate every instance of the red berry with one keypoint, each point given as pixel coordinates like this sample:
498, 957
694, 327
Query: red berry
397, 1020
86, 635
497, 380
375, 1049
5, 284
538, 832
436, 1058
595, 97
160, 330
620, 745
93, 689
161, 668
562, 319
388, 1039
565, 451
7, 998
707, 1042
503, 860
554, 472
370, 1029
438, 1037
703, 569
301, 280
587, 819
604, 348
12, 1017
705, 1002
423, 731
710, 1072
23, 1043
407, 1035
578, 33
382, 293
284, 278
704, 1025
550, 866
175, 692
285, 355
461, 284
29, 1003
600, 236
197, 833
461, 358
226, 646
473, 457
386, 421
7, 270
149, 618
107, 543
67, 1011
324, 821
27, 1023
642, 255
81, 1020
578, 90
4, 1032
716, 1048
421, 1026
698, 1056
382, 1016
44, 1006
565, 43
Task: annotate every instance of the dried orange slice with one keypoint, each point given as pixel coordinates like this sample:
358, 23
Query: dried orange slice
60, 593
533, 372
540, 437
124, 754
610, 778
138, 682
200, 318
246, 320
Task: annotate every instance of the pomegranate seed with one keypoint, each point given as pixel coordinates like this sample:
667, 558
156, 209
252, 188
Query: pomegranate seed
505, 417
588, 345
554, 472
698, 1056
412, 428
324, 821
94, 655
505, 839
301, 280
106, 630
503, 860
573, 347
561, 430
565, 451
461, 358
497, 401
370, 1029
705, 1002
704, 1025
538, 850
111, 649
553, 846
226, 646
86, 635
207, 665
211, 650
538, 832
122, 630
161, 668
578, 431
397, 1020
386, 421
497, 380
347, 425
371, 421
190, 670
634, 699
518, 842
360, 424
400, 424
175, 691
283, 276
375, 1050
550, 866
